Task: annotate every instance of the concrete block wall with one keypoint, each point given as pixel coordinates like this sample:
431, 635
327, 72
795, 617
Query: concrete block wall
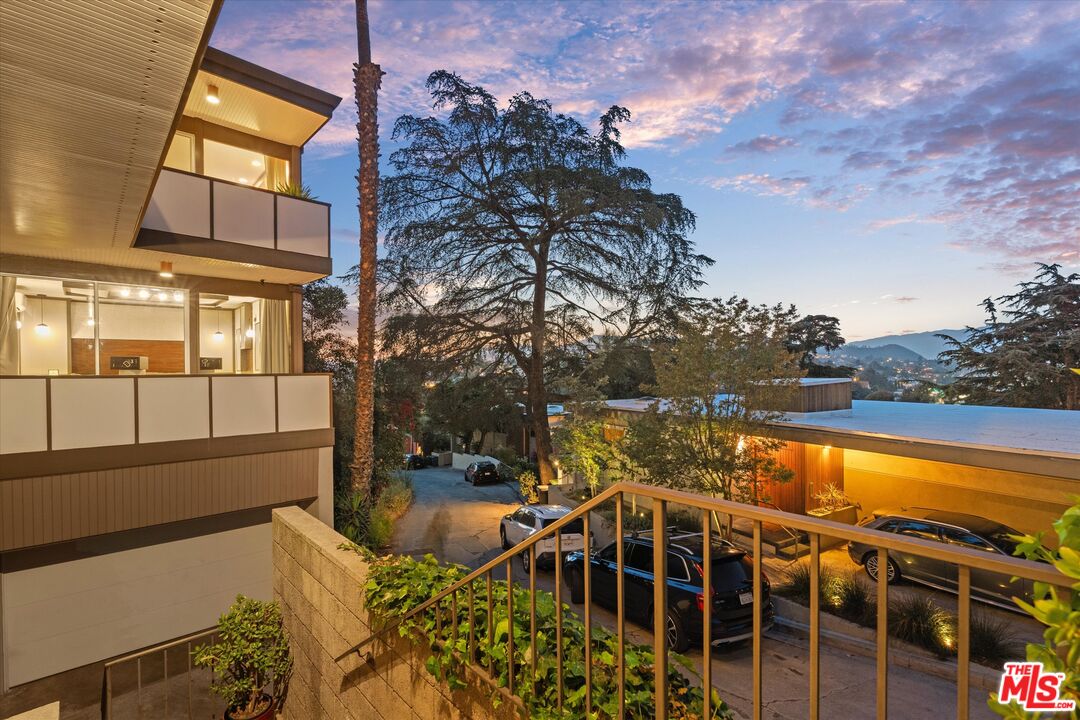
320, 589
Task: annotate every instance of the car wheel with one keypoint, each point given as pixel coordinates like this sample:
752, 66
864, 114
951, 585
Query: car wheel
870, 563
525, 561
502, 536
677, 640
577, 586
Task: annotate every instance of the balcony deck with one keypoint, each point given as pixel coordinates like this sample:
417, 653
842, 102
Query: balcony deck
201, 216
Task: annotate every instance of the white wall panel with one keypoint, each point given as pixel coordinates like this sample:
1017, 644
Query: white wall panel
69, 614
303, 226
180, 204
303, 402
173, 409
93, 412
23, 423
243, 215
243, 405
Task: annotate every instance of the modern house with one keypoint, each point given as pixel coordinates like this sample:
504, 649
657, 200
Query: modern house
153, 406
1019, 466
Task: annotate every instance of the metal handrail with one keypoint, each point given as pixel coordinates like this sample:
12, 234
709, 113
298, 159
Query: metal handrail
106, 678
965, 559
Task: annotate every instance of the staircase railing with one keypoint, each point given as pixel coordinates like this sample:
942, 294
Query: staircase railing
964, 559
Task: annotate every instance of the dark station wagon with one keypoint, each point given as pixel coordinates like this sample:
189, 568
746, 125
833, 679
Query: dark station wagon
731, 593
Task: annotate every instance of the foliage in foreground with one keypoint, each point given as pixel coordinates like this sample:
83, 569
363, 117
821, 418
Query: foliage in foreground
371, 524
250, 657
1059, 612
397, 584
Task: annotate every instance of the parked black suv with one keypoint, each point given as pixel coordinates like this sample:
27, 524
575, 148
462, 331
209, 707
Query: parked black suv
732, 587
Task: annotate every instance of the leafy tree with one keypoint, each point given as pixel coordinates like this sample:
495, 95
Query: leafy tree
885, 395
510, 231
725, 376
812, 333
328, 350
484, 403
1023, 354
583, 449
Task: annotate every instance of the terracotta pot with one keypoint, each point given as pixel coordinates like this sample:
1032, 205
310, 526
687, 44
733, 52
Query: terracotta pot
266, 714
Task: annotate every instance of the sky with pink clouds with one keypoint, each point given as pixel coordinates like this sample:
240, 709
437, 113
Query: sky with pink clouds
890, 163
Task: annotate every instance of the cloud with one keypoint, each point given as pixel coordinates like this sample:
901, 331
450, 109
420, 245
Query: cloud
762, 144
975, 106
905, 299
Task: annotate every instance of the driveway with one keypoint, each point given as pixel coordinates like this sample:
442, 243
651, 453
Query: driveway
460, 523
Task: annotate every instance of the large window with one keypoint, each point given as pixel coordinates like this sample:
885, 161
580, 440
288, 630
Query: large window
53, 326
246, 167
239, 334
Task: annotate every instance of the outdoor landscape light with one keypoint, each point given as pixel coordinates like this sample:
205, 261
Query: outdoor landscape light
212, 95
144, 293
166, 269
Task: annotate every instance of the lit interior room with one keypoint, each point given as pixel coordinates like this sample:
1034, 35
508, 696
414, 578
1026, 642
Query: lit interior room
240, 334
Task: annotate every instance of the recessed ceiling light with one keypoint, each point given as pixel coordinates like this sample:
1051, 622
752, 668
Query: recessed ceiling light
161, 295
178, 296
212, 95
242, 181
256, 163
125, 292
166, 269
144, 294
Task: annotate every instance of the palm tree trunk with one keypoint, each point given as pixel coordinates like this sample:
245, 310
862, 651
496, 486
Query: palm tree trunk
367, 78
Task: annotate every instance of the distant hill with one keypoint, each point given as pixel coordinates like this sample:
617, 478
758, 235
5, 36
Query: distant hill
924, 343
866, 354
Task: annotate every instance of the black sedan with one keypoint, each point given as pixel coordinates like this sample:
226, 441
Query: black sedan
481, 472
731, 593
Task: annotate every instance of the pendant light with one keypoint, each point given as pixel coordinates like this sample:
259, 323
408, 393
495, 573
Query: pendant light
218, 336
42, 328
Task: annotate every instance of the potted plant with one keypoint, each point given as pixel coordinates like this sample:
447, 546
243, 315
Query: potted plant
250, 659
834, 505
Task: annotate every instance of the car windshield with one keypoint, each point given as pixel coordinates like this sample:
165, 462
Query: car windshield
571, 528
730, 573
485, 466
1000, 538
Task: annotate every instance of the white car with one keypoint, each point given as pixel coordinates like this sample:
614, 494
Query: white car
530, 519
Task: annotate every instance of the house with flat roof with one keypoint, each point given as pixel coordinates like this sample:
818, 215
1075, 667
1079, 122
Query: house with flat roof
1018, 466
153, 405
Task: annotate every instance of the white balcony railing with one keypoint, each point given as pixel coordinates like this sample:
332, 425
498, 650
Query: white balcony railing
39, 414
190, 205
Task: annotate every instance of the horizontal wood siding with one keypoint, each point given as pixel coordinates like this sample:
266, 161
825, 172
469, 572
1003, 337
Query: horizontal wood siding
55, 508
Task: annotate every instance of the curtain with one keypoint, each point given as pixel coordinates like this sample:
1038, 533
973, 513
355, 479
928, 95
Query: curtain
9, 330
274, 337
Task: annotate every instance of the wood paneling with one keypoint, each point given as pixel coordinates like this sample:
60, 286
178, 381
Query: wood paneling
823, 397
55, 508
166, 356
814, 466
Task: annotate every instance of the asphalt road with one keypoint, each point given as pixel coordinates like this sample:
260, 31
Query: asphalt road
460, 523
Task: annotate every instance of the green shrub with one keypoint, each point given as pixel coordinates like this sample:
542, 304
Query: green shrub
993, 641
352, 515
852, 600
251, 659
396, 496
918, 620
381, 530
506, 455
396, 585
529, 487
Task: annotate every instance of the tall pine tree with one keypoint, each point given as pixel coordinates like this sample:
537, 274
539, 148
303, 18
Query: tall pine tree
1023, 355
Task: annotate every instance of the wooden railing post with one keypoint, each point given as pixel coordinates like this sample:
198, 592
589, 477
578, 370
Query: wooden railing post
758, 605
660, 607
883, 634
815, 626
963, 642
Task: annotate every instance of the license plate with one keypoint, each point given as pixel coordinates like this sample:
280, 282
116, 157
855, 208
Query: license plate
572, 542
746, 598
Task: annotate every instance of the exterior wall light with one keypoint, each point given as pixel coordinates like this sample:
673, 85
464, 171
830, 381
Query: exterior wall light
166, 269
212, 95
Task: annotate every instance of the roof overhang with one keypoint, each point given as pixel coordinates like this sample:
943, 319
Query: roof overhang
258, 101
90, 94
